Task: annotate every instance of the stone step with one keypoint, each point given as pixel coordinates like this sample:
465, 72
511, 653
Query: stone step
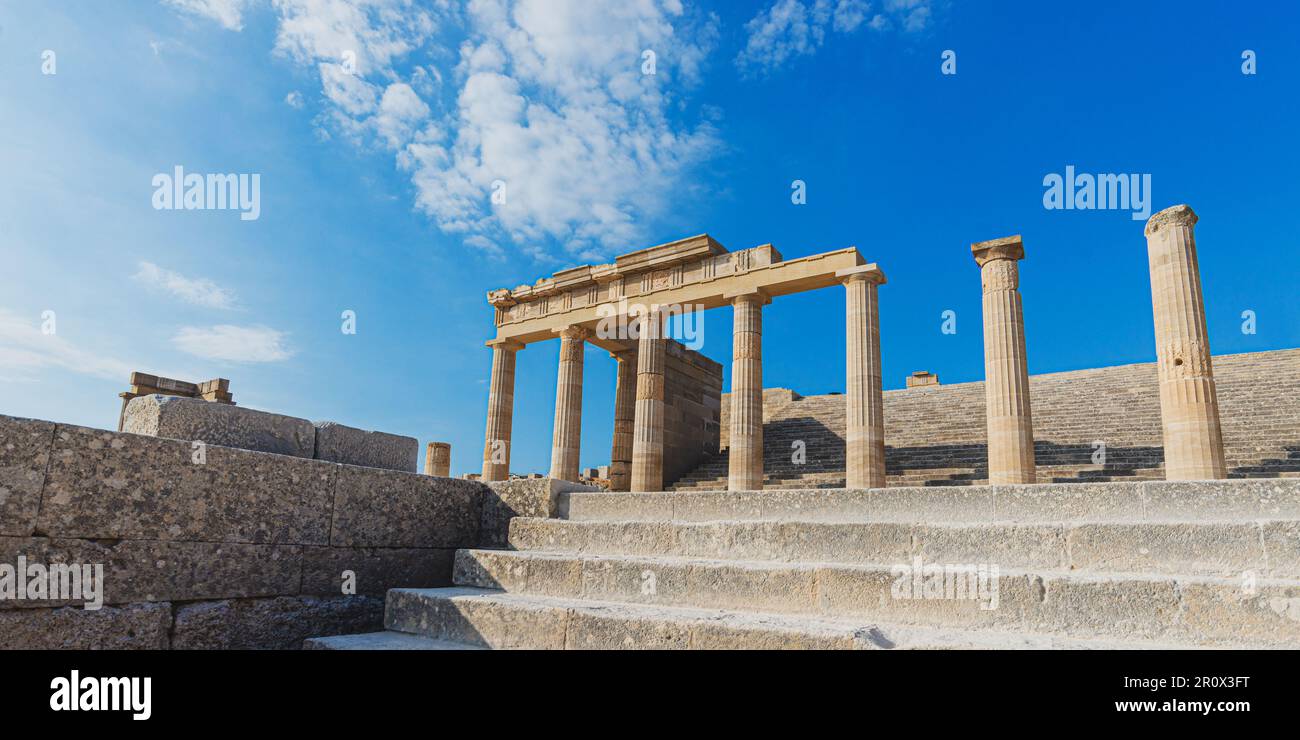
1228, 549
1201, 610
387, 640
1169, 501
495, 619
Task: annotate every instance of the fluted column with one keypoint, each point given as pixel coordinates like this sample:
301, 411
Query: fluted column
1006, 372
648, 424
437, 459
566, 441
1189, 404
501, 409
620, 457
865, 401
745, 456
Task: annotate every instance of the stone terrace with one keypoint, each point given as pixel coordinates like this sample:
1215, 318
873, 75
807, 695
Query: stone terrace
936, 435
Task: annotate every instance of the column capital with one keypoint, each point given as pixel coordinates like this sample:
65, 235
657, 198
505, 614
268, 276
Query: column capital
870, 273
506, 344
624, 355
1180, 215
748, 295
573, 332
1006, 248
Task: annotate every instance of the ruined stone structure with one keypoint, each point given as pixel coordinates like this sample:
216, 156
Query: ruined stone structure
596, 303
437, 459
622, 307
216, 390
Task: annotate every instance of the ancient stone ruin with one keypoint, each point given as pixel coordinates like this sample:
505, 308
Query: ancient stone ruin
1148, 505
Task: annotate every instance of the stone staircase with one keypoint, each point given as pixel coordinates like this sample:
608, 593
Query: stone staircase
936, 435
1094, 565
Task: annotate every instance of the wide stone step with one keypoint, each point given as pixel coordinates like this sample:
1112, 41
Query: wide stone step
1264, 548
1217, 612
1172, 501
387, 640
494, 619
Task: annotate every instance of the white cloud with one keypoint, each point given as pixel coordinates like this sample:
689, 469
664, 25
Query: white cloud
294, 99
550, 99
25, 350
229, 13
198, 291
794, 28
234, 343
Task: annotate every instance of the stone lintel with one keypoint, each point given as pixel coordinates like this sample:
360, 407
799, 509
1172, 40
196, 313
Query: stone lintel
1006, 248
776, 278
1179, 214
870, 272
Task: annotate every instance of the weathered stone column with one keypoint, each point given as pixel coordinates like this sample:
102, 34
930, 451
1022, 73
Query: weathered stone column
745, 456
865, 400
566, 442
437, 459
620, 456
1189, 404
1006, 373
501, 409
648, 424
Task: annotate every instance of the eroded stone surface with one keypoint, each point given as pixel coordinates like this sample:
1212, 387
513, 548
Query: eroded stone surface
381, 508
176, 417
281, 623
24, 454
112, 485
135, 627
344, 444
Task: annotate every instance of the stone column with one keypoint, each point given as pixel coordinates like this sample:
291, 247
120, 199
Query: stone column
648, 424
1006, 373
501, 409
566, 441
437, 459
1189, 405
620, 457
864, 419
745, 458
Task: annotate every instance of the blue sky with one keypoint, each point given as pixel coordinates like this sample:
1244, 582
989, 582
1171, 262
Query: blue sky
376, 169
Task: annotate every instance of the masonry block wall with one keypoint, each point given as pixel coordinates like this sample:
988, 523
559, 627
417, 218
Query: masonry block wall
239, 550
692, 413
935, 435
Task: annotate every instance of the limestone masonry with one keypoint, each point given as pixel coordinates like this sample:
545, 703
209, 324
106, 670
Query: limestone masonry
1152, 505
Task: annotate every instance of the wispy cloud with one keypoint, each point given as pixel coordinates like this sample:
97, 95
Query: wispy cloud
234, 343
25, 351
229, 13
197, 291
794, 28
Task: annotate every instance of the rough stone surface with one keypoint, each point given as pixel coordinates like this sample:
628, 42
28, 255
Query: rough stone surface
530, 497
280, 623
221, 424
375, 569
1104, 565
152, 570
135, 627
381, 508
24, 455
128, 486
350, 446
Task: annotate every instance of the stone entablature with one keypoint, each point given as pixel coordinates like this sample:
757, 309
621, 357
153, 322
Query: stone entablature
697, 272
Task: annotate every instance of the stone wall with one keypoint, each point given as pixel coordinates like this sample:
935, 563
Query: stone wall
229, 548
692, 409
